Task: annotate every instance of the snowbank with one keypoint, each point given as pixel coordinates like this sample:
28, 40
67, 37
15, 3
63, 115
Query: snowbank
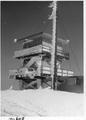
42, 102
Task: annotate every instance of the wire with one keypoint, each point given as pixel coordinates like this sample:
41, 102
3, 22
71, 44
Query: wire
64, 30
46, 25
76, 61
71, 50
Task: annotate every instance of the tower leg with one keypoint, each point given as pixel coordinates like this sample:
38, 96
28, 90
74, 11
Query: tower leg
38, 83
21, 85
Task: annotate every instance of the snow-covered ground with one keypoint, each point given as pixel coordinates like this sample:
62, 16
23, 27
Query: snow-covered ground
41, 102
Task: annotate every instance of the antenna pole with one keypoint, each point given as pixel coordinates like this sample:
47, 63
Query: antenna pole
54, 43
53, 17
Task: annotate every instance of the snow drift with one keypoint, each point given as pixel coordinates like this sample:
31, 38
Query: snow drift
41, 102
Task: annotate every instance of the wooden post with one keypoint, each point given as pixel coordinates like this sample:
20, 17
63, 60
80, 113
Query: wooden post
55, 52
54, 43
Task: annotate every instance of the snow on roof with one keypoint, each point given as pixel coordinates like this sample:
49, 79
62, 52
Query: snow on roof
46, 36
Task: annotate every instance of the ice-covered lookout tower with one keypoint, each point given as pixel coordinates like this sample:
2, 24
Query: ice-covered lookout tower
36, 60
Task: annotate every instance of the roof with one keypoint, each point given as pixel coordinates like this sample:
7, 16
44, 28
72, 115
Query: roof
46, 36
36, 35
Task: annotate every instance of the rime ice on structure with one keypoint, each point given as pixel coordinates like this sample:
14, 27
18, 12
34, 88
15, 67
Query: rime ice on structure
36, 61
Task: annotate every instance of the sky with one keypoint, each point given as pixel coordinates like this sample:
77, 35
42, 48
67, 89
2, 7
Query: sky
19, 19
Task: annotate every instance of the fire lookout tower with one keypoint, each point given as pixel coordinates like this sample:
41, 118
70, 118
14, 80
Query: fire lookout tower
36, 61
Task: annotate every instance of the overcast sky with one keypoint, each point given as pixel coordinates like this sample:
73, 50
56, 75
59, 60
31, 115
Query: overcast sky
19, 19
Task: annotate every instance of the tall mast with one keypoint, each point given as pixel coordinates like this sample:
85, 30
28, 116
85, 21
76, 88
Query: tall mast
54, 43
